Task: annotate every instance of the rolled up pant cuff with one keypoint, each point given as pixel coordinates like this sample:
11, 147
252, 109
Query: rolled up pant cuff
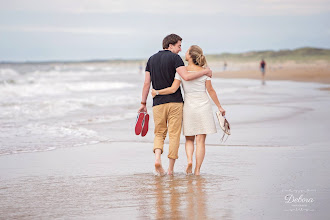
158, 148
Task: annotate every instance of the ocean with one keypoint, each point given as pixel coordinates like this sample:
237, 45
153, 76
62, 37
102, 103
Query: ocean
46, 106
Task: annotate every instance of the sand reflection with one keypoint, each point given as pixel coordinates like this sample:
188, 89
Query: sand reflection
141, 196
180, 197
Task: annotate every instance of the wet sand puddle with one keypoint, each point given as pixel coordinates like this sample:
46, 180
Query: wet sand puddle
144, 196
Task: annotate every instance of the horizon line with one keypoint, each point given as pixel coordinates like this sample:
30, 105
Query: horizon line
139, 59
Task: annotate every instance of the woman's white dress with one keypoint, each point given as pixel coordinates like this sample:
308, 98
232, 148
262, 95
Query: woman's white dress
197, 108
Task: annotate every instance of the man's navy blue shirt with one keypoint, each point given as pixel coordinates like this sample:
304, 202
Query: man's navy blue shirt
162, 67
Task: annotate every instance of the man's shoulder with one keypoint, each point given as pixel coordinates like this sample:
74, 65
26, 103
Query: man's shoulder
173, 57
164, 55
153, 56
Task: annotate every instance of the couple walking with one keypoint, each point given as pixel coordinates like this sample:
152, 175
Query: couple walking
167, 71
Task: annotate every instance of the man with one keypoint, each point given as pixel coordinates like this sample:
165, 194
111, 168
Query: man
167, 109
263, 70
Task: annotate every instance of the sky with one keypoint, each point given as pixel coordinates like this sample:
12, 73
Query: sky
41, 30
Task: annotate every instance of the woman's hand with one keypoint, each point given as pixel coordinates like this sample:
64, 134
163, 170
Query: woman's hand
223, 112
153, 93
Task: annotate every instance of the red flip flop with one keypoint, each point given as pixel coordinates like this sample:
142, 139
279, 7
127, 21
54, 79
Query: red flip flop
145, 125
138, 123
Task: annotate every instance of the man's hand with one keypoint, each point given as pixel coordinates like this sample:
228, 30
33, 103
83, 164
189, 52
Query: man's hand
143, 108
153, 93
209, 72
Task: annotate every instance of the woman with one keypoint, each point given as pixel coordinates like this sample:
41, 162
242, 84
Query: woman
197, 110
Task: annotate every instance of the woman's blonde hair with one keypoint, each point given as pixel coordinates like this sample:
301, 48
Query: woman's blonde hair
197, 56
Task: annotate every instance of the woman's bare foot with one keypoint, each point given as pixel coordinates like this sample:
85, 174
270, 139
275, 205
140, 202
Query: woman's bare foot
170, 172
158, 168
189, 168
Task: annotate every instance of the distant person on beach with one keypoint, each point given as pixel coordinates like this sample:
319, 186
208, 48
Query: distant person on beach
167, 109
224, 66
140, 68
198, 118
263, 70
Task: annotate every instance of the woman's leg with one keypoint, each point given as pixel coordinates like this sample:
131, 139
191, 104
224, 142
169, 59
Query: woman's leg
189, 152
200, 152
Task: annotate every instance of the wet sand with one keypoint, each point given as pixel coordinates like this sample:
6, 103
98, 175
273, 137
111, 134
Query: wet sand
114, 180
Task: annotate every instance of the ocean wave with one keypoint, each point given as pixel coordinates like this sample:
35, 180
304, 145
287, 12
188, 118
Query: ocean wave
98, 86
52, 89
36, 137
107, 118
8, 75
44, 109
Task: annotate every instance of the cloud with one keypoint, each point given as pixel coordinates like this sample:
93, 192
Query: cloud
238, 7
74, 30
128, 29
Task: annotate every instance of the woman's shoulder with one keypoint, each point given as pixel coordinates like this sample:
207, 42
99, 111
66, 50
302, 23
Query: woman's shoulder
194, 69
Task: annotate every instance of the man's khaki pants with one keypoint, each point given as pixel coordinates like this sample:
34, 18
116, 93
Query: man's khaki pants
168, 117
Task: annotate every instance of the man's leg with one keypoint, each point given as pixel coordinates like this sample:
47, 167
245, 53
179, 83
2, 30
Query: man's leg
174, 131
170, 169
158, 161
160, 120
263, 77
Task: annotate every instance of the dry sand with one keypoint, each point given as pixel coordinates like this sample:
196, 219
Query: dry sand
319, 73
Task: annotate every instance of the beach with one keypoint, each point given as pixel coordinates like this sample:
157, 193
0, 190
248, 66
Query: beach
301, 72
94, 182
68, 148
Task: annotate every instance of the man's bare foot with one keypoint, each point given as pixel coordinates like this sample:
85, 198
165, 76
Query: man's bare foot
159, 169
170, 172
189, 168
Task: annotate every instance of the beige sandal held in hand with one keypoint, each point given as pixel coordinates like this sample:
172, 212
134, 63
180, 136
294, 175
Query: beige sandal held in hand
224, 124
